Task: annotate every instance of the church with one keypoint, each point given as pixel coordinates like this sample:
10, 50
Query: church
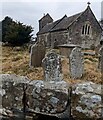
81, 29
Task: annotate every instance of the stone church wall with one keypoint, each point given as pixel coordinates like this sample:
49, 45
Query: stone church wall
58, 38
86, 41
74, 34
46, 38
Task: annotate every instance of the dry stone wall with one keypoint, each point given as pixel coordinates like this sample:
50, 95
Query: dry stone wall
87, 101
20, 95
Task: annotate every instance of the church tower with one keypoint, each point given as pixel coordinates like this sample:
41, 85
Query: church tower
44, 20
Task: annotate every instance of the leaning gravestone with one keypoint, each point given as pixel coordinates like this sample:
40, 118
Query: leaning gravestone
52, 67
37, 54
76, 63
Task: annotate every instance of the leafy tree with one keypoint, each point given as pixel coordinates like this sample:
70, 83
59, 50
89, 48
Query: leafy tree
15, 33
5, 27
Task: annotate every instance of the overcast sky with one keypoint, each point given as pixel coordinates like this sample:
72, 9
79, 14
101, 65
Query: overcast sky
30, 11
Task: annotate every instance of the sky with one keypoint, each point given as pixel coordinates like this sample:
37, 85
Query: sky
30, 11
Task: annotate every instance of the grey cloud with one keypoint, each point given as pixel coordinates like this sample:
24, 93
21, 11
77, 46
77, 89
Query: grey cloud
30, 12
102, 9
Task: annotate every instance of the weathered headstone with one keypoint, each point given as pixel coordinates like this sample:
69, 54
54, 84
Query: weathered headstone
76, 63
37, 54
52, 67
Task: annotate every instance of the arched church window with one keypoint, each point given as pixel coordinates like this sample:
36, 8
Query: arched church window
86, 29
83, 29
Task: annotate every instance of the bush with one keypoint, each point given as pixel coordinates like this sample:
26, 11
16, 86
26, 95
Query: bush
15, 33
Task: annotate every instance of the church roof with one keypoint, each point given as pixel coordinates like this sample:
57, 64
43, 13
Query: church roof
65, 23
62, 24
47, 15
48, 27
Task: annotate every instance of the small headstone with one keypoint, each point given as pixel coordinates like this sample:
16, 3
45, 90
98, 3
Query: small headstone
76, 63
52, 67
37, 54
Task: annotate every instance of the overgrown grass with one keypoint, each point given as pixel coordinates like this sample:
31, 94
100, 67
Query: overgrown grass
92, 59
16, 61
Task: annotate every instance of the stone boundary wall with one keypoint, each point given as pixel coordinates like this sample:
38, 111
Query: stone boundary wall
23, 99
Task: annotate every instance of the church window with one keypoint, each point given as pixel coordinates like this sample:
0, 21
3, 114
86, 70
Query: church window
86, 29
83, 29
88, 32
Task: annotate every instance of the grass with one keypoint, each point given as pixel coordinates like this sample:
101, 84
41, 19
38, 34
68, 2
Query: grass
91, 58
16, 61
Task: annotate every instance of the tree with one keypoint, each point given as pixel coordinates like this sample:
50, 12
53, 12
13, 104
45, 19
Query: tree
15, 33
5, 23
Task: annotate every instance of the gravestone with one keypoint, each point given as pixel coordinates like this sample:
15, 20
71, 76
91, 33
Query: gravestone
52, 67
37, 54
76, 63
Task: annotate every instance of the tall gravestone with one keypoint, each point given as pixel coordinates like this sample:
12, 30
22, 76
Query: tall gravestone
37, 54
52, 67
76, 63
